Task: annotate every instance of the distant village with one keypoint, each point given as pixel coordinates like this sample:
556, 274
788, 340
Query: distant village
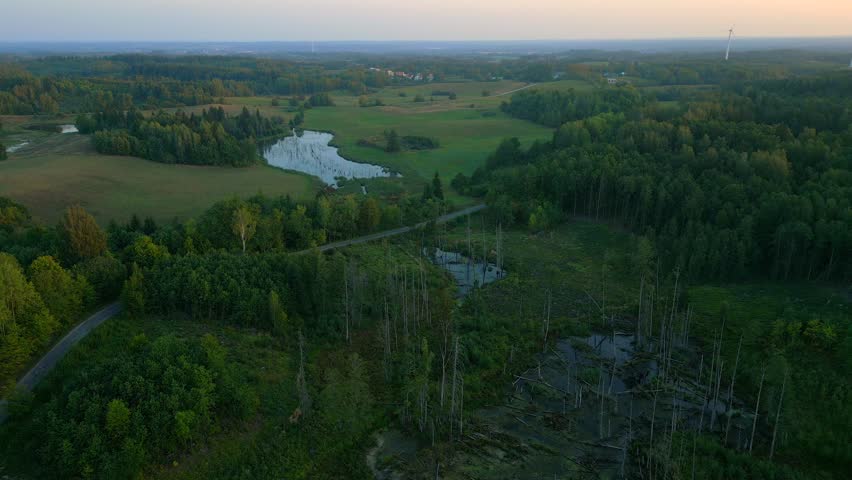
400, 75
615, 78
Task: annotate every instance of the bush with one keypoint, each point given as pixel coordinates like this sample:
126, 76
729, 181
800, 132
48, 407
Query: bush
413, 142
321, 100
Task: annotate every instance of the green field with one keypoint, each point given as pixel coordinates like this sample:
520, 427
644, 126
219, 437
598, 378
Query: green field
54, 171
61, 170
469, 128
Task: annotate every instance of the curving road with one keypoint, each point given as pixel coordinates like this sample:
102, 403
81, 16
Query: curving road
51, 358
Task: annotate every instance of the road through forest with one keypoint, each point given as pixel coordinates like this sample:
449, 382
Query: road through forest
51, 358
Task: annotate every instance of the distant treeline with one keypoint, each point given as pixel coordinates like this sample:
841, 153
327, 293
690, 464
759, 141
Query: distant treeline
211, 138
51, 85
555, 107
732, 185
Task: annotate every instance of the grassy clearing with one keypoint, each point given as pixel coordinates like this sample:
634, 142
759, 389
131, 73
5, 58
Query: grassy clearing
469, 128
467, 135
234, 106
578, 85
61, 170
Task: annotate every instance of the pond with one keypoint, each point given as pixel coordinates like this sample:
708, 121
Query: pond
575, 413
15, 148
467, 273
311, 153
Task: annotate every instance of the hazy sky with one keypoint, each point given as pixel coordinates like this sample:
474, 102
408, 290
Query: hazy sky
86, 20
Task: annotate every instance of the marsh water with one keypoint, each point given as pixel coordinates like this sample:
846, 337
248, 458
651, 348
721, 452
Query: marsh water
575, 413
67, 128
311, 153
466, 272
15, 148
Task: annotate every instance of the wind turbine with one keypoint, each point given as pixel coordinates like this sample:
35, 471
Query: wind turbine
730, 36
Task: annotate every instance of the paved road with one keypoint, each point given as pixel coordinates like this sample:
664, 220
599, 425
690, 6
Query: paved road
51, 358
396, 231
46, 364
516, 90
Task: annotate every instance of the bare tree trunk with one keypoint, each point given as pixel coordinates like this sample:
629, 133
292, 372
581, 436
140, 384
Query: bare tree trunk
461, 408
453, 394
629, 436
653, 420
731, 390
346, 305
601, 396
716, 396
547, 307
639, 316
777, 417
756, 411
301, 380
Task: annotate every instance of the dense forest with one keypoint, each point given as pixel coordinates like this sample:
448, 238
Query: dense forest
76, 84
230, 266
59, 272
733, 185
211, 138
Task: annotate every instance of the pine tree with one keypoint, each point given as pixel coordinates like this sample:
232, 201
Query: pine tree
392, 140
437, 187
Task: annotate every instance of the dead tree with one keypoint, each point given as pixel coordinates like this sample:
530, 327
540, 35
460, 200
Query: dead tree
548, 302
716, 396
777, 417
731, 390
639, 316
756, 412
301, 381
453, 393
347, 308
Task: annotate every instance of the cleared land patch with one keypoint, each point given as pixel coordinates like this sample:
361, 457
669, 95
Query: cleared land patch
65, 170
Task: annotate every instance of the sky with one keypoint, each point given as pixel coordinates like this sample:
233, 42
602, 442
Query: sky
289, 20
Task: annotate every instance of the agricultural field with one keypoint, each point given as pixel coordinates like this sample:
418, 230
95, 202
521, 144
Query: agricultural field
57, 170
468, 128
53, 171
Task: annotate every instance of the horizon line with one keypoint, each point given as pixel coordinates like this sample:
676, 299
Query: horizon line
514, 40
